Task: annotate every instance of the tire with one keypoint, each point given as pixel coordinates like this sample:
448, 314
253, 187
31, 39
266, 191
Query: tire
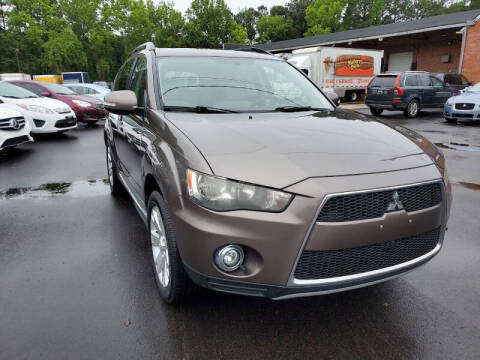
116, 187
353, 96
376, 111
173, 282
413, 109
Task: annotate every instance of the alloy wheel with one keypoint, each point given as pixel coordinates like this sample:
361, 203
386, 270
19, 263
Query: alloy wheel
158, 239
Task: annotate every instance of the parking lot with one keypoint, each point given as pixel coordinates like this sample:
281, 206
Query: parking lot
76, 279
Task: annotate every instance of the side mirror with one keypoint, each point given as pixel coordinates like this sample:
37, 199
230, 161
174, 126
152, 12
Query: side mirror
122, 102
45, 94
334, 97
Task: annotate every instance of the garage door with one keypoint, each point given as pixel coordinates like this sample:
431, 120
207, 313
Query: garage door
400, 61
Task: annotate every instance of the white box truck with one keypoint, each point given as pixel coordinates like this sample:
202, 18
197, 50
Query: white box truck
345, 71
14, 76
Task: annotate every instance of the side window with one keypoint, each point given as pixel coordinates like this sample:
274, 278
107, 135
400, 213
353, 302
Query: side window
121, 81
436, 82
411, 80
423, 80
138, 82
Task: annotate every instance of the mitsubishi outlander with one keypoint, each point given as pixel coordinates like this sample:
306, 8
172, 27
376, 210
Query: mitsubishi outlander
251, 181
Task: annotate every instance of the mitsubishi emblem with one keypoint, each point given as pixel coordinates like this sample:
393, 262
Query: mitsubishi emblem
396, 204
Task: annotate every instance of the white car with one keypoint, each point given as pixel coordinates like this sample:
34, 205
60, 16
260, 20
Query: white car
14, 128
47, 115
93, 90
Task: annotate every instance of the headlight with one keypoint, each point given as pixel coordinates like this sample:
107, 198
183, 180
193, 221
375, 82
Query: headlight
81, 103
450, 101
220, 194
37, 109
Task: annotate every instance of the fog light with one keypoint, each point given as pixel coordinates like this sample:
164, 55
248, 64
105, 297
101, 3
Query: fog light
229, 258
38, 123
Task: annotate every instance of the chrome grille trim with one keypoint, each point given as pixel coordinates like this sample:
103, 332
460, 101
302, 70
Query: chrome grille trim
6, 124
293, 282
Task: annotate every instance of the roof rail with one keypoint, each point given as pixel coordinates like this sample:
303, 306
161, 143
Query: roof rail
147, 46
253, 49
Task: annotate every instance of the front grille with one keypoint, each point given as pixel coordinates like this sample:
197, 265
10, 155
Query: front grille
460, 115
15, 141
335, 263
65, 123
370, 205
14, 123
464, 106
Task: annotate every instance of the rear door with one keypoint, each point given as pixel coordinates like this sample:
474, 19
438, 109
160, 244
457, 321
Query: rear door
427, 92
381, 88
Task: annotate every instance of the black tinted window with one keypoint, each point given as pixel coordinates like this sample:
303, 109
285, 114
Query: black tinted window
381, 81
139, 79
455, 79
121, 81
31, 87
411, 80
423, 80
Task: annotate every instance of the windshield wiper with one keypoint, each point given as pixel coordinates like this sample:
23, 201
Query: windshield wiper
298, 108
198, 109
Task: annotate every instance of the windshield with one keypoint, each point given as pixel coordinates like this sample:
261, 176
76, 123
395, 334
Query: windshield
15, 92
58, 89
235, 84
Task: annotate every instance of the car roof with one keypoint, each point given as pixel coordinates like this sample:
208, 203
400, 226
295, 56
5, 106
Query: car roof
187, 52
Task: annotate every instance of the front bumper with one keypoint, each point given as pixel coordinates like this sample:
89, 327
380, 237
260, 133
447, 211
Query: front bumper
386, 105
52, 123
451, 113
11, 138
275, 242
90, 114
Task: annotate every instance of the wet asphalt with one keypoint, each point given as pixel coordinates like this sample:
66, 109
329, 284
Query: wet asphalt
76, 280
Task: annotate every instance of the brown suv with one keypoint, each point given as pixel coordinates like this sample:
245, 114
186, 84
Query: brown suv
252, 182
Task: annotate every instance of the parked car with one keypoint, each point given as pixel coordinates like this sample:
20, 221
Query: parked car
87, 109
464, 107
251, 181
105, 84
75, 77
455, 82
96, 91
409, 91
46, 115
14, 129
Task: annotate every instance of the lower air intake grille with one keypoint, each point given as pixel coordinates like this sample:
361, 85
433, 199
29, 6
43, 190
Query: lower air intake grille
335, 263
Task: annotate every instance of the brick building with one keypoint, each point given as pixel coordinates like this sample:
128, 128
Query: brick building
444, 43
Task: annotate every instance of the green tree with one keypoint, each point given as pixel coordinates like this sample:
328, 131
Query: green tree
296, 11
274, 28
324, 16
248, 19
210, 24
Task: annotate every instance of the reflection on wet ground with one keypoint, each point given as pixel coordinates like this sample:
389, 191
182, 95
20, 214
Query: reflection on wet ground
458, 146
468, 185
74, 189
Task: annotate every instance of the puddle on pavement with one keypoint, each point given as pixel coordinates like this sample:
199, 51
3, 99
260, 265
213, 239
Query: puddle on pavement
74, 189
468, 185
458, 146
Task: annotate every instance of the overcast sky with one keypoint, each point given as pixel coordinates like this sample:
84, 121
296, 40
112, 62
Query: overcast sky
234, 5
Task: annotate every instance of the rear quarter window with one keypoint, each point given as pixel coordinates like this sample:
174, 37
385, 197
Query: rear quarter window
383, 81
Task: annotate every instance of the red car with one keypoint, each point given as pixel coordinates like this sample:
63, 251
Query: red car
87, 109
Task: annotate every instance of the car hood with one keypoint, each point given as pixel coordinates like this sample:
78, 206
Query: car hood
473, 97
6, 112
88, 99
40, 101
280, 149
